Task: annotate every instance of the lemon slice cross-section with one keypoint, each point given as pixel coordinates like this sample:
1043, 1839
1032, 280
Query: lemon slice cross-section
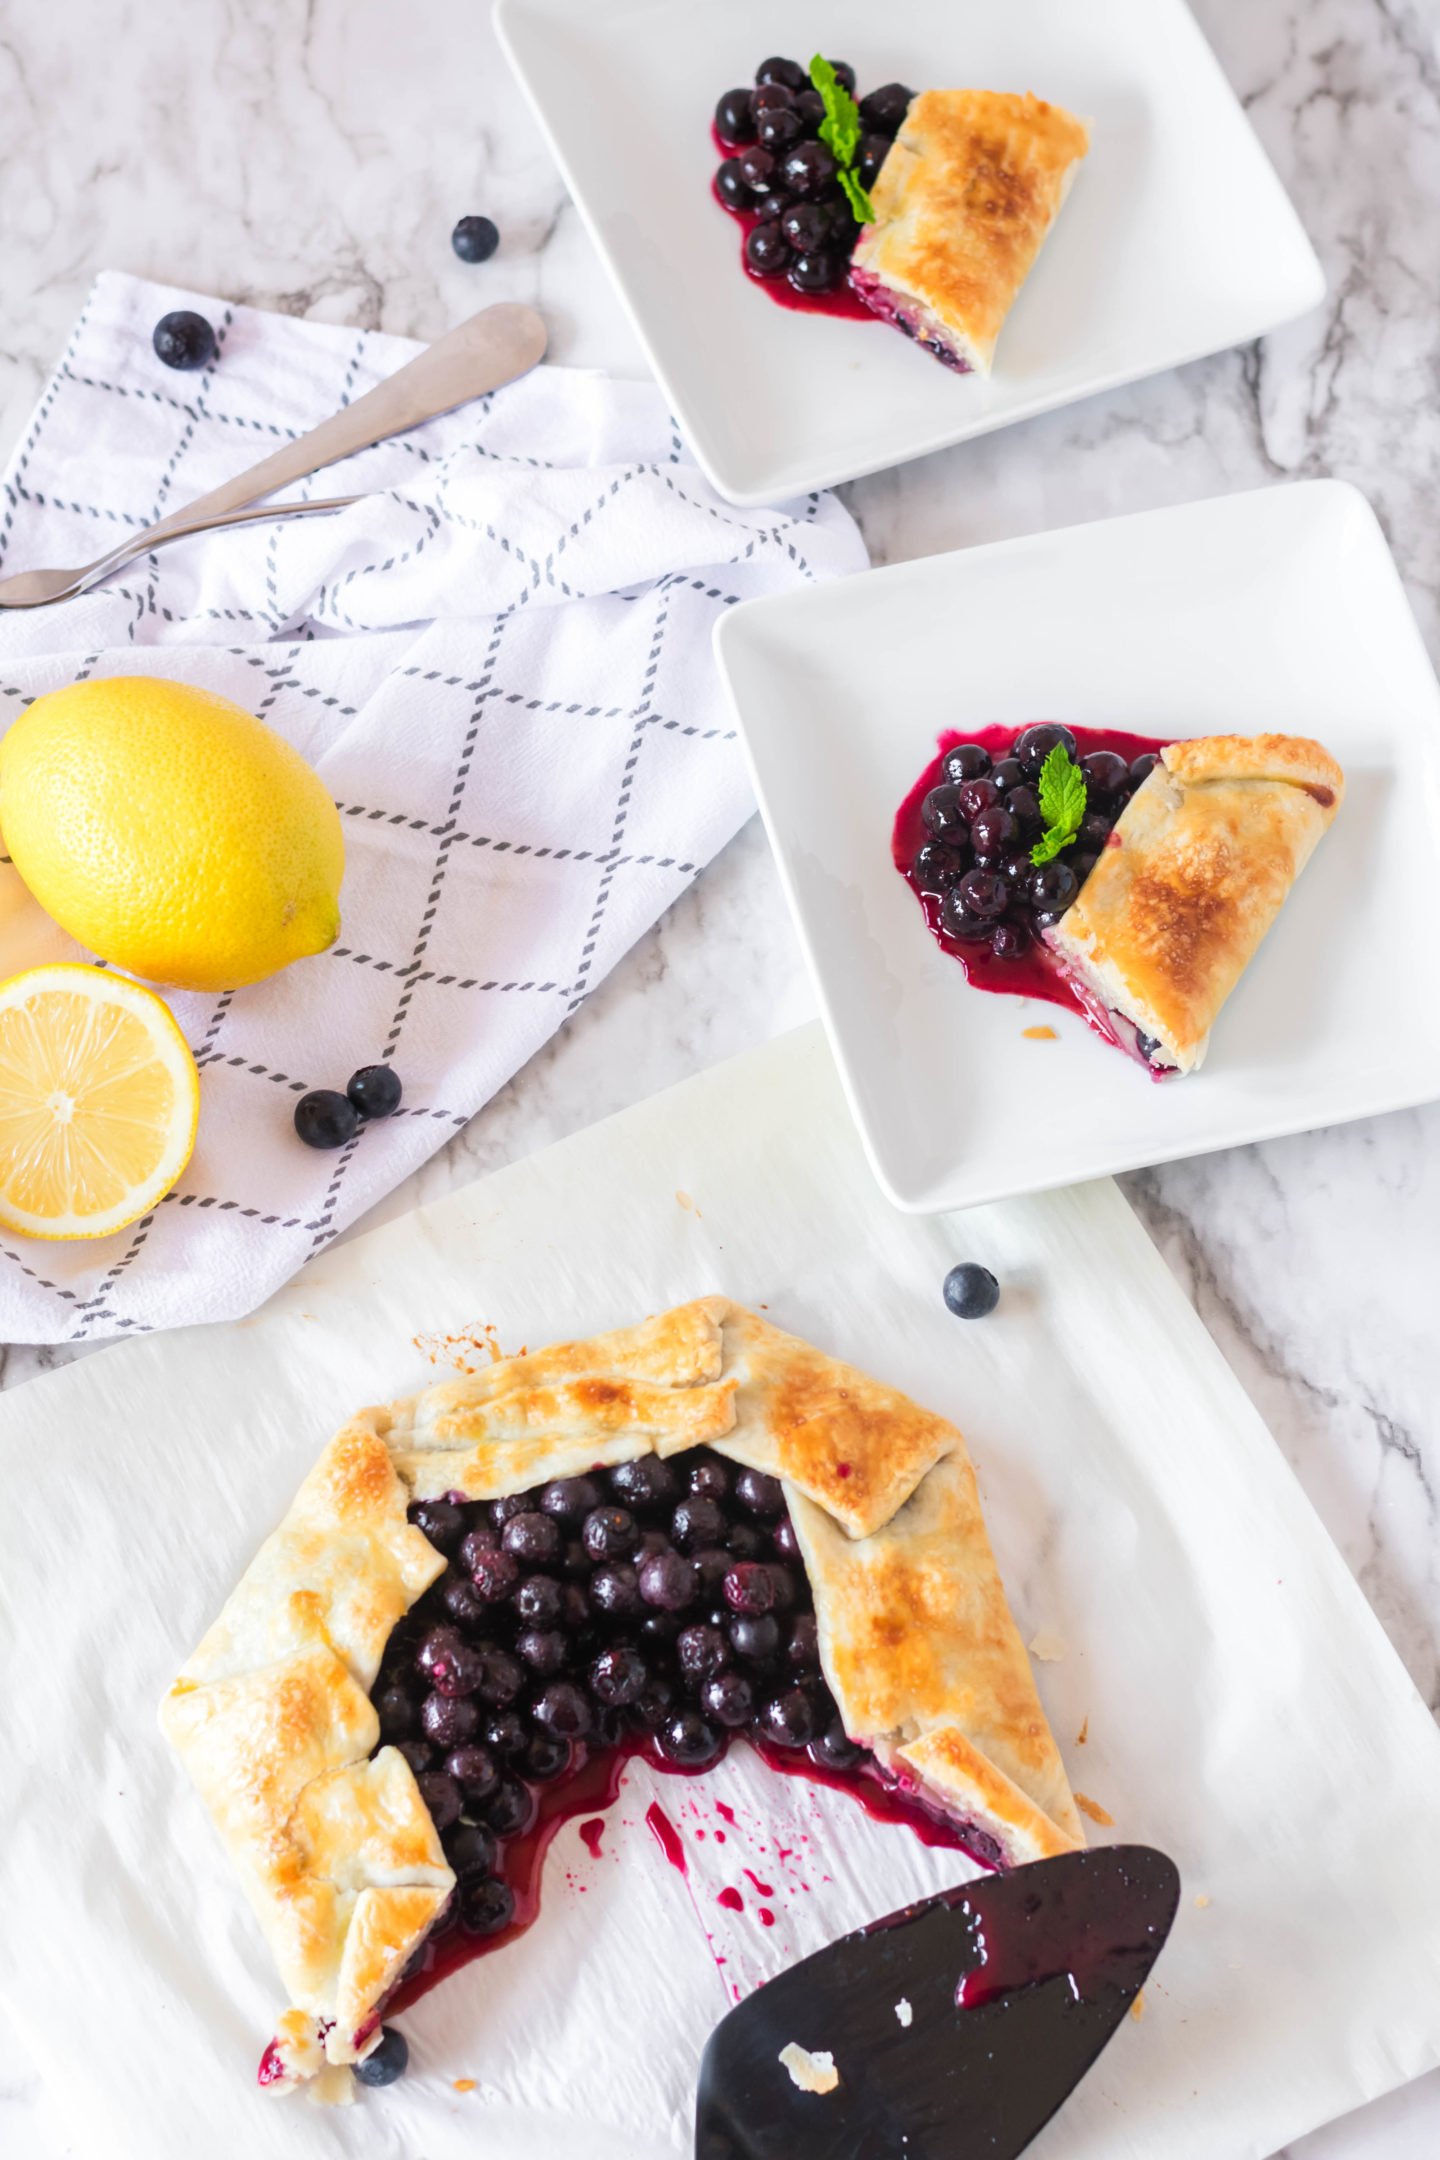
99, 1098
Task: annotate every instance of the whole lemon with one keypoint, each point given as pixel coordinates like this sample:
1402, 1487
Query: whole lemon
171, 832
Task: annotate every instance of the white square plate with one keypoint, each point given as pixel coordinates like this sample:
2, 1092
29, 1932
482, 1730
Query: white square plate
1280, 609
1177, 239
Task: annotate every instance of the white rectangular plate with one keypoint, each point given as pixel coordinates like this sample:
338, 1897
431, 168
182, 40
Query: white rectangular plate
1240, 1705
1177, 239
1275, 610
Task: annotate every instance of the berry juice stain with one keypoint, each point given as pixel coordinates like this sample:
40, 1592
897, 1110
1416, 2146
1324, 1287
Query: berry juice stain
731, 1900
764, 1889
666, 1836
591, 1833
767, 1918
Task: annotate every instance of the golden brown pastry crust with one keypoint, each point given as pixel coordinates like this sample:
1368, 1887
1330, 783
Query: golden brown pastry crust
1196, 870
963, 202
272, 1717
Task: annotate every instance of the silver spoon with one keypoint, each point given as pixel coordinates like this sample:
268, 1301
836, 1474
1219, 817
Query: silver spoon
490, 349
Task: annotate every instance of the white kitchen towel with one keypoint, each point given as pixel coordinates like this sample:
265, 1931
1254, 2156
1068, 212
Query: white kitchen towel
499, 661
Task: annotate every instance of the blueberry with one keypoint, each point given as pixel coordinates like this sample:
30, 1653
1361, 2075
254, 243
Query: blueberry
977, 796
1008, 773
993, 830
807, 169
958, 922
788, 1719
615, 1590
668, 1581
419, 1754
710, 1478
648, 1481
441, 1796
501, 1678
515, 1503
756, 1637
436, 1652
1036, 743
788, 73
734, 121
971, 1291
767, 251
818, 272
532, 1537
546, 1757
760, 1493
983, 893
731, 185
939, 863
884, 109
701, 1650
1105, 772
397, 1710
806, 226
569, 1499
184, 340
475, 239
539, 1601
782, 1584
727, 1698
493, 1573
787, 1545
1095, 830
487, 1907
688, 1741
471, 1850
511, 1808
375, 1091
811, 108
746, 1541
326, 1119
803, 1649
779, 129
942, 812
387, 2061
610, 1533
750, 1588
544, 1650
844, 74
873, 151
1010, 940
562, 1709
618, 1677
833, 1749
655, 1705
967, 761
474, 1771
757, 167
1053, 885
1023, 804
1142, 766
507, 1735
698, 1521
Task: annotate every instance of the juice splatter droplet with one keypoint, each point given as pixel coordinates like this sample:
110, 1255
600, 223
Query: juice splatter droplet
764, 1888
767, 1918
666, 1836
591, 1833
731, 1900
722, 1807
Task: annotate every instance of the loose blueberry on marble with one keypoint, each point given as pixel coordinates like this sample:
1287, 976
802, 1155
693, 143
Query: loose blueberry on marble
475, 239
971, 1291
184, 340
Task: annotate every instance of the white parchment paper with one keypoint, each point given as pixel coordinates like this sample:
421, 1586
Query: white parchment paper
1239, 1702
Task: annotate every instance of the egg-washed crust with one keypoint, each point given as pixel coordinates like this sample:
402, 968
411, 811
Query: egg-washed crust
334, 1846
971, 186
1195, 872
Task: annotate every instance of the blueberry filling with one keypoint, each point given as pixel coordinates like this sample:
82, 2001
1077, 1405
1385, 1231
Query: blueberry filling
659, 1608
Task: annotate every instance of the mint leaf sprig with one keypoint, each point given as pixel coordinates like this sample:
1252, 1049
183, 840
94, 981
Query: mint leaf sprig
1062, 804
840, 133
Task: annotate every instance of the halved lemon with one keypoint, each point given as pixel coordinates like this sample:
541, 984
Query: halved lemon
99, 1099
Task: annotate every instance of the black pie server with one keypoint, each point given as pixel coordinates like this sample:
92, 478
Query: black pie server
1013, 1984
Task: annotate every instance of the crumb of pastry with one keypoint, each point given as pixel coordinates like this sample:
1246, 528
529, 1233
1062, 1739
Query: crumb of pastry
1083, 1735
459, 1348
1049, 1645
1137, 2008
463, 2085
904, 2012
1093, 1809
1202, 1901
686, 1201
1040, 1034
812, 2073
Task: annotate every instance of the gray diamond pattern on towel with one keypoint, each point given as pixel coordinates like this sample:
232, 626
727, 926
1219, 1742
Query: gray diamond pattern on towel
500, 663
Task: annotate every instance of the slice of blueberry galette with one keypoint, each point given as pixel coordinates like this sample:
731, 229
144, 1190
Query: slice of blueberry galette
485, 1599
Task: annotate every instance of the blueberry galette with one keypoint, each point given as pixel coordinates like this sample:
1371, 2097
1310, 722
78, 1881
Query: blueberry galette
652, 1542
1194, 873
962, 204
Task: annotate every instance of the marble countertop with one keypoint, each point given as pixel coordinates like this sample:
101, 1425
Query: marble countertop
312, 155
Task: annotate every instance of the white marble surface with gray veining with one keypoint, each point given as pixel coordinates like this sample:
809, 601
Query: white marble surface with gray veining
312, 155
